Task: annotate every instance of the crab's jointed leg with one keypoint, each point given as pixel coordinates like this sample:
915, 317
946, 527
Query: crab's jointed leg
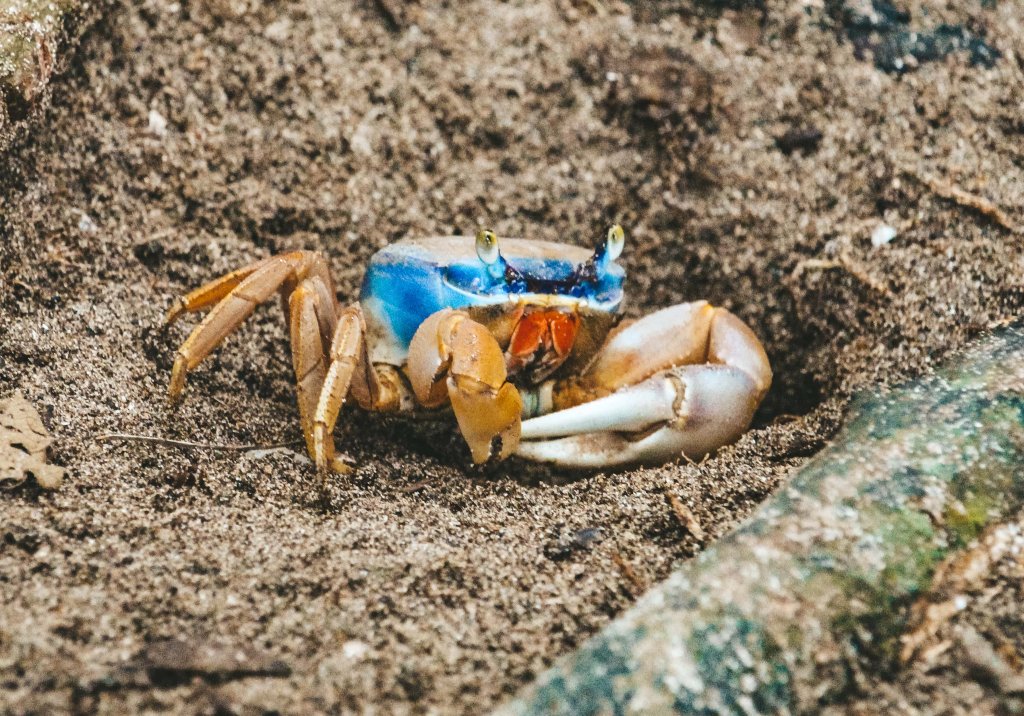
235, 296
681, 381
328, 343
453, 358
303, 280
211, 293
307, 319
377, 388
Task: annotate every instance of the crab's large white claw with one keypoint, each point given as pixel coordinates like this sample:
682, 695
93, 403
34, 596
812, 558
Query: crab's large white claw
681, 381
631, 410
690, 410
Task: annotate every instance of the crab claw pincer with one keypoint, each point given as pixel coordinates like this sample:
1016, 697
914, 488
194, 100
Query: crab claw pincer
681, 381
453, 358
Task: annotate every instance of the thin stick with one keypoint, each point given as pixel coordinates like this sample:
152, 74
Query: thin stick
185, 444
687, 520
959, 196
848, 264
637, 584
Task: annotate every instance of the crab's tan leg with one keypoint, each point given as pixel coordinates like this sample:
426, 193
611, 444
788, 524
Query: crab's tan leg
345, 350
211, 293
308, 359
682, 381
318, 279
236, 295
454, 358
349, 372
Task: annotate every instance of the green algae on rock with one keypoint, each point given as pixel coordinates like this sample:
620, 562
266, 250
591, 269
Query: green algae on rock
776, 617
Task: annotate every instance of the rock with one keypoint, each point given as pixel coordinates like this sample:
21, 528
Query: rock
35, 36
882, 235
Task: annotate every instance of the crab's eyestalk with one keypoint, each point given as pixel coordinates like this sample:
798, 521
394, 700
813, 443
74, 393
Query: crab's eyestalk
609, 249
593, 270
490, 255
487, 247
614, 243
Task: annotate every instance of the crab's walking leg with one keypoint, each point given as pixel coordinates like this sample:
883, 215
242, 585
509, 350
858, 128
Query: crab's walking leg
236, 295
344, 354
682, 381
306, 308
454, 358
211, 293
377, 388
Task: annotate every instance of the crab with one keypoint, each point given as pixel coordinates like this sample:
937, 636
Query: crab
522, 341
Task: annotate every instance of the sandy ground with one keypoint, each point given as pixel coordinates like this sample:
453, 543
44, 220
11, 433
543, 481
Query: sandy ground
751, 150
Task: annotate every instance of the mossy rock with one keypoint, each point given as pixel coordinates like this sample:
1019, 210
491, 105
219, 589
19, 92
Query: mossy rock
35, 38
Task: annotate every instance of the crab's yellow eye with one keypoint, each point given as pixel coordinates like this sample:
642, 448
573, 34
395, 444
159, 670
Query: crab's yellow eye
487, 246
615, 241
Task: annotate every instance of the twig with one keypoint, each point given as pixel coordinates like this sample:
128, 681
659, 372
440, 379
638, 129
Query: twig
985, 661
848, 264
639, 586
956, 580
185, 444
686, 518
972, 201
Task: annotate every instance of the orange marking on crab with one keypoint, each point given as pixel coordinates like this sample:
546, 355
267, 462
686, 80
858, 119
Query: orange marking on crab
541, 341
563, 327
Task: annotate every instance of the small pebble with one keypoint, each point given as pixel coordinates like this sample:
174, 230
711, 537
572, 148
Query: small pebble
85, 223
157, 123
882, 235
355, 649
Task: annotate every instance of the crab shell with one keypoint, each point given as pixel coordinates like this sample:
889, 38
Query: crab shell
408, 281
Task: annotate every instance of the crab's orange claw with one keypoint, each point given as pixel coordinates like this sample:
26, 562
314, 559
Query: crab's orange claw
489, 420
430, 356
453, 357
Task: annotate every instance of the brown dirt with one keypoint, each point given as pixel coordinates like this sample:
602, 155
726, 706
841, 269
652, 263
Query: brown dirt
418, 584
